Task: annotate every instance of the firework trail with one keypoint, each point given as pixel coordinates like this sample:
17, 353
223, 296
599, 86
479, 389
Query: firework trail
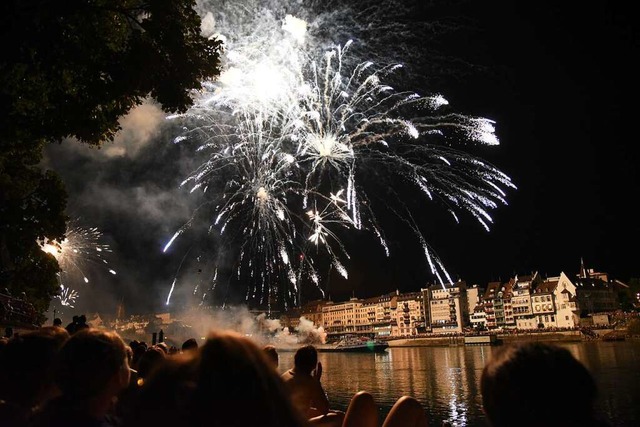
294, 128
79, 252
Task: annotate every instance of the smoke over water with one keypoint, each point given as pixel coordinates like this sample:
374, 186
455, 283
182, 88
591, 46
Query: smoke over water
198, 323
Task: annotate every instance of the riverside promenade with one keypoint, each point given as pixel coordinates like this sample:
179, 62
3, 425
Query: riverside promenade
550, 336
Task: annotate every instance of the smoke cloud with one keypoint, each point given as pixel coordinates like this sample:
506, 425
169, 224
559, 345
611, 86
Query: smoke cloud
198, 323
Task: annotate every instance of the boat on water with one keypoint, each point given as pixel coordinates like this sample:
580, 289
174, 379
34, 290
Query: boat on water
485, 339
354, 344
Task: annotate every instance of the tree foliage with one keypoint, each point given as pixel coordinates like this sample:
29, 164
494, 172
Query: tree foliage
72, 68
32, 204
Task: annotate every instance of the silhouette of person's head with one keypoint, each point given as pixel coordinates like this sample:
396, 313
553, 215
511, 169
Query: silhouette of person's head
139, 349
534, 384
73, 326
92, 362
227, 382
149, 360
57, 321
28, 363
306, 359
190, 344
272, 355
163, 346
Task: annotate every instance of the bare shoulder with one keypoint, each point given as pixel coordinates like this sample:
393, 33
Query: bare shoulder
287, 375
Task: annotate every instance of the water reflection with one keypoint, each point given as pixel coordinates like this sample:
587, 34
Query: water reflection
446, 380
615, 367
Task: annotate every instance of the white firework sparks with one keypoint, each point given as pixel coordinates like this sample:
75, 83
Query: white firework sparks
292, 138
67, 296
80, 252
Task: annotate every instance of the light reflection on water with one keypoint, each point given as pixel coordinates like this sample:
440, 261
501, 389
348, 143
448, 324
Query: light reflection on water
446, 380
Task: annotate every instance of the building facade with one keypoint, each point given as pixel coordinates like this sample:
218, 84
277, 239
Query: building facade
449, 308
525, 302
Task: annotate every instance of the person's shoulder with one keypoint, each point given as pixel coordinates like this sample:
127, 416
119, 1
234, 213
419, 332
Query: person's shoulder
287, 375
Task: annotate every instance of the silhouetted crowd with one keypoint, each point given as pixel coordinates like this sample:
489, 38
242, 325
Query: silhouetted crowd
81, 376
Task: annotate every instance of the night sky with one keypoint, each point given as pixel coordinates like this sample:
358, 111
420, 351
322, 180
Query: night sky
559, 81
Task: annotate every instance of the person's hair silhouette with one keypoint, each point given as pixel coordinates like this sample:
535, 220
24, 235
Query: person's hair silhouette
533, 384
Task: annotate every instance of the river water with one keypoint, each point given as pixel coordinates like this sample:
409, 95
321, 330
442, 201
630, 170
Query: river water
446, 380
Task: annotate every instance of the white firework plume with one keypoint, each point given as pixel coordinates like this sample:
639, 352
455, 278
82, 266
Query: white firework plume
79, 253
67, 296
293, 134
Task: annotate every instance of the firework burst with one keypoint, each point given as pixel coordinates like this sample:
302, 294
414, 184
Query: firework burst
292, 134
80, 252
67, 296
